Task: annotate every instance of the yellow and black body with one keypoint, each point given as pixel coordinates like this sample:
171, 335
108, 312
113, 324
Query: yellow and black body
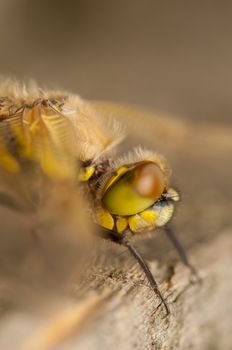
134, 197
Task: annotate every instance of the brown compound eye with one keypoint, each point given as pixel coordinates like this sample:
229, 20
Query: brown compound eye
149, 181
135, 190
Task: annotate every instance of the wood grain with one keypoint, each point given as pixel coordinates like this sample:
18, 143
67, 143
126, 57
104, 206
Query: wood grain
201, 313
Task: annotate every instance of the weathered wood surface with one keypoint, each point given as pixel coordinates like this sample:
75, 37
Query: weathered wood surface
118, 309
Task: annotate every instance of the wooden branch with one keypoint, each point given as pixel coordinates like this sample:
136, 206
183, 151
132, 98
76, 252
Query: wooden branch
122, 313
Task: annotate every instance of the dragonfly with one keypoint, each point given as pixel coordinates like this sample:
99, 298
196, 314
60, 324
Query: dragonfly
57, 147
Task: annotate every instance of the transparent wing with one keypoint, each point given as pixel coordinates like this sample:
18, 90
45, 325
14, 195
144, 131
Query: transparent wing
44, 225
95, 134
152, 129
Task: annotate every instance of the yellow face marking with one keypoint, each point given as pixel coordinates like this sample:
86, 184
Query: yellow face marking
138, 224
121, 224
134, 222
150, 216
105, 219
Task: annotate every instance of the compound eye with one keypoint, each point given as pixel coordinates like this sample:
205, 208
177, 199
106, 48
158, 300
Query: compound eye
149, 181
134, 190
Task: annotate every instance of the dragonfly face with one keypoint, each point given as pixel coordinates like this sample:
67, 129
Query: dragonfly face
133, 196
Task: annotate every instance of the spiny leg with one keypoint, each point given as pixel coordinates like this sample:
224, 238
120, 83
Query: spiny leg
180, 249
147, 272
114, 237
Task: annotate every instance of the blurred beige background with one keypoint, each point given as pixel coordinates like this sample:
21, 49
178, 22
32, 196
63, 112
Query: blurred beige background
175, 56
